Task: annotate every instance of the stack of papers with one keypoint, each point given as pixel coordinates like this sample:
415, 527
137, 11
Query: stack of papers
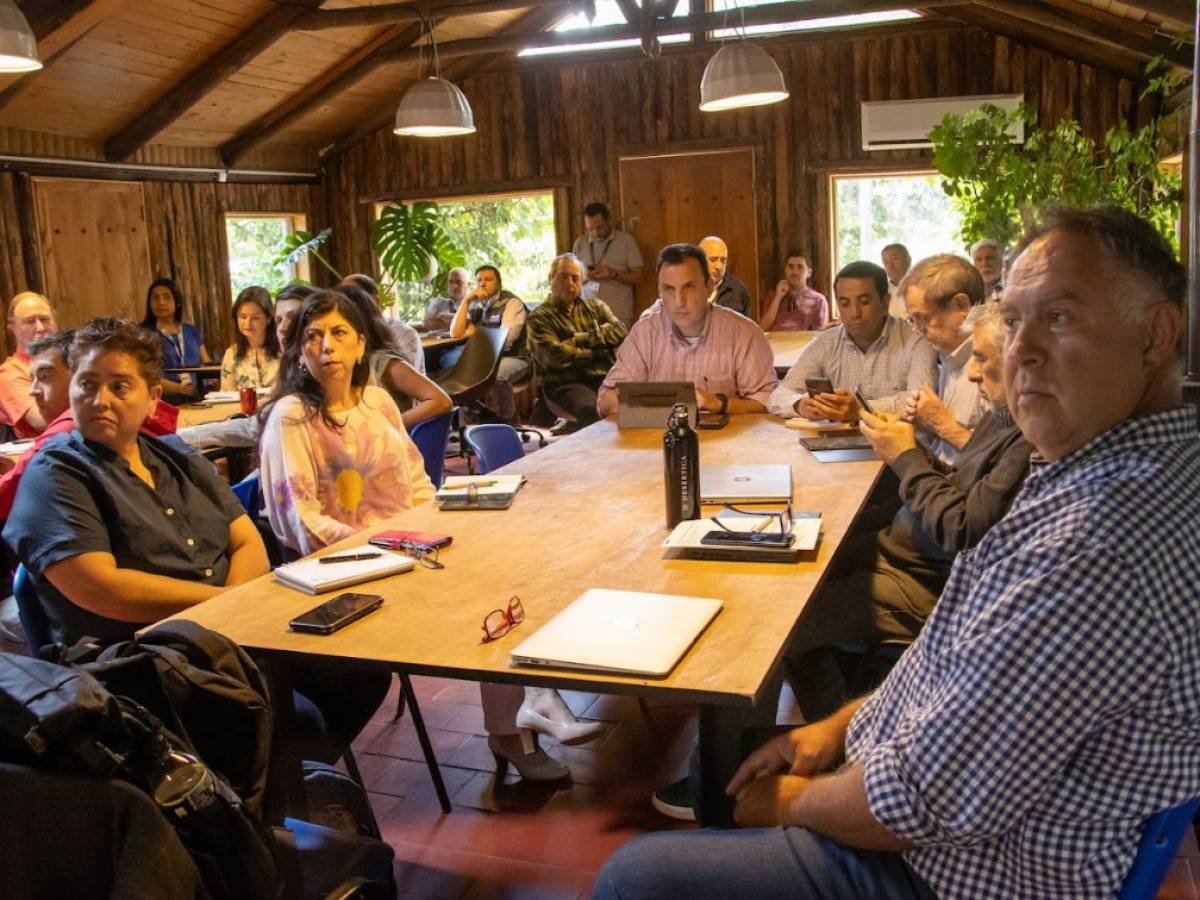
479, 491
231, 396
685, 541
314, 577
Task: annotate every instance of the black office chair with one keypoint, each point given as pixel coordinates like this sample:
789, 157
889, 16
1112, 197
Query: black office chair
471, 378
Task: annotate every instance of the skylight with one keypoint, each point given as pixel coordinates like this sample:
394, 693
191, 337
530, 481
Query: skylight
607, 13
801, 25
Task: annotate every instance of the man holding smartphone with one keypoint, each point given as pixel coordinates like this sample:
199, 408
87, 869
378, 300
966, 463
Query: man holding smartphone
611, 259
869, 349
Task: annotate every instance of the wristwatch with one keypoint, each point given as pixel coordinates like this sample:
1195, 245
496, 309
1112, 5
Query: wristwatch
724, 404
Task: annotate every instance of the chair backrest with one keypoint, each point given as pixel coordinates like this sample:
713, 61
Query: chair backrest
495, 445
29, 608
248, 493
476, 369
1160, 840
432, 438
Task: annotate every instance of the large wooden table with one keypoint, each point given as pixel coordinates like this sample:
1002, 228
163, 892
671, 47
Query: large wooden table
787, 346
591, 515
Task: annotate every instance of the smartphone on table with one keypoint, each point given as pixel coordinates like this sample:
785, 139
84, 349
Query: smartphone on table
720, 538
337, 613
816, 386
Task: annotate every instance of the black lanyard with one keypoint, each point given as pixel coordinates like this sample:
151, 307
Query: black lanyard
603, 253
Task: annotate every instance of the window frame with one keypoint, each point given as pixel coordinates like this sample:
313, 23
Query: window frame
298, 222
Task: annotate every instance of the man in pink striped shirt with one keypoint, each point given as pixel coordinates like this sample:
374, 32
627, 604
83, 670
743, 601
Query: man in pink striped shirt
725, 355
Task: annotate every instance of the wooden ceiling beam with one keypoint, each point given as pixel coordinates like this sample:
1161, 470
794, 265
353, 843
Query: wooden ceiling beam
537, 20
55, 44
1112, 36
47, 16
203, 80
1181, 11
392, 13
344, 74
1125, 64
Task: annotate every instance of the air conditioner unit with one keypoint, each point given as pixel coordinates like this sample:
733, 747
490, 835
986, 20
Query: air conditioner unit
904, 124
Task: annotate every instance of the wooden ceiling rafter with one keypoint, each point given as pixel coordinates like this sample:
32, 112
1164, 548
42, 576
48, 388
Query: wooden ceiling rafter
1181, 11
204, 79
394, 13
55, 45
1104, 36
538, 20
47, 16
347, 72
1125, 64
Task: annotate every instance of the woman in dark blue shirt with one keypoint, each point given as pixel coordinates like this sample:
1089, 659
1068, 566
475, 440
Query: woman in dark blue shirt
182, 344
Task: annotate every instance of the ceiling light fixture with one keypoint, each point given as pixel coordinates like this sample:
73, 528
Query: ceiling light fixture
741, 74
433, 107
18, 48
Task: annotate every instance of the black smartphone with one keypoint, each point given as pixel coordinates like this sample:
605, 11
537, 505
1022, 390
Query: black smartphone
336, 613
818, 386
862, 401
721, 538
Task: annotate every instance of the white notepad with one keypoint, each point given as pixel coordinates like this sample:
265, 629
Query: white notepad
315, 577
457, 487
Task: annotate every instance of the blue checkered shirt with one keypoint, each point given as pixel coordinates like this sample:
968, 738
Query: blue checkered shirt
1052, 702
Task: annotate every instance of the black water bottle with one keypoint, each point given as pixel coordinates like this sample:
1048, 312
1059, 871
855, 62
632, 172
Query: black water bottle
681, 467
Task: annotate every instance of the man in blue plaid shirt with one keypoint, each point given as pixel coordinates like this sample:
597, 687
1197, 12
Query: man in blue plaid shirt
1052, 702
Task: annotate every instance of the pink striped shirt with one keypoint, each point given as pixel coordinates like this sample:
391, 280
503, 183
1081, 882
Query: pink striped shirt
730, 357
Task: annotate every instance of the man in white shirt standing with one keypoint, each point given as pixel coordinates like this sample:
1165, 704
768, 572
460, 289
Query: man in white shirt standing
988, 257
612, 259
939, 293
896, 262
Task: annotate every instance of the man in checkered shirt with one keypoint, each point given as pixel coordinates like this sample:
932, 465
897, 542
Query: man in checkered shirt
1052, 702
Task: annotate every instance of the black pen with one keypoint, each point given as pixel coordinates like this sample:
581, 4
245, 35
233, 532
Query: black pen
350, 557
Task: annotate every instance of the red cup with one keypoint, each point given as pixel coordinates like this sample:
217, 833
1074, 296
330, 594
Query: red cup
249, 399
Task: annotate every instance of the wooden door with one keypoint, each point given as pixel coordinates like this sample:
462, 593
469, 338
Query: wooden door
685, 197
94, 249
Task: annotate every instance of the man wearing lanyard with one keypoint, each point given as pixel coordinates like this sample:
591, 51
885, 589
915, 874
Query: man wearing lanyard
612, 259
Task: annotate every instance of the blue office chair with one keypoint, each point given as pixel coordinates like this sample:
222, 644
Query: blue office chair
1160, 841
248, 493
29, 608
432, 437
494, 445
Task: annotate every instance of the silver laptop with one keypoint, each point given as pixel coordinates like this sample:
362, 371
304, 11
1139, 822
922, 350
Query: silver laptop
648, 404
746, 484
619, 631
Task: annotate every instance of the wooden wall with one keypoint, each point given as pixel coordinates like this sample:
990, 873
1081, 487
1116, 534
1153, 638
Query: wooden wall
185, 232
566, 126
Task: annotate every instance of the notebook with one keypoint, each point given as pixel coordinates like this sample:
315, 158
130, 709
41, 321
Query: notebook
839, 442
648, 404
746, 484
313, 577
478, 491
627, 632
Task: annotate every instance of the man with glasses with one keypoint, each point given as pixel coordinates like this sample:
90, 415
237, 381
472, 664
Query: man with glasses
29, 317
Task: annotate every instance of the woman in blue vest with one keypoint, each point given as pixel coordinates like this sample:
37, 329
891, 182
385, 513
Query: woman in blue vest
182, 343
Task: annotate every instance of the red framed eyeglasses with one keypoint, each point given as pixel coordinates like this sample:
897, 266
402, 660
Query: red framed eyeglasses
500, 622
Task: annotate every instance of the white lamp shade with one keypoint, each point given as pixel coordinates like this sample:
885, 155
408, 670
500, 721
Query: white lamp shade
434, 107
741, 74
18, 49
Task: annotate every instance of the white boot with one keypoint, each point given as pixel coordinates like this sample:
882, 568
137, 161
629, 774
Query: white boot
545, 712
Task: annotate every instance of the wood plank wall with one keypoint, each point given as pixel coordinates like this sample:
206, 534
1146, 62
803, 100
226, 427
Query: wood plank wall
186, 234
568, 124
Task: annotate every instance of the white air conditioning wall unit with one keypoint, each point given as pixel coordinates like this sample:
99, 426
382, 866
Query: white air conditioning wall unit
905, 124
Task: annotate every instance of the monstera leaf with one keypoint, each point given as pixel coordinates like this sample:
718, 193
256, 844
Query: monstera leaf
411, 243
300, 243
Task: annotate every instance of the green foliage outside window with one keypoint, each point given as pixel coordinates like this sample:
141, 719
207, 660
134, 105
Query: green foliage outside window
253, 243
997, 185
883, 209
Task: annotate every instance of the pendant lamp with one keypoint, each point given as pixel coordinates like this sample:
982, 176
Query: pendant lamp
741, 74
18, 49
433, 107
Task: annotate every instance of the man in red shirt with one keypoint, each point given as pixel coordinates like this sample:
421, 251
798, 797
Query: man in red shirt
50, 390
29, 318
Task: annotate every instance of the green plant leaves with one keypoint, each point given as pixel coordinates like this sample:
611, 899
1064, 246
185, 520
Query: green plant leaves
298, 244
996, 185
411, 243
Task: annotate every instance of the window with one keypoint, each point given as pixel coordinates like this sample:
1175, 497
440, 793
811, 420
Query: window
253, 240
513, 232
607, 13
801, 25
872, 211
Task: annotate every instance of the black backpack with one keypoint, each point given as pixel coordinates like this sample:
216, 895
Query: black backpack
64, 720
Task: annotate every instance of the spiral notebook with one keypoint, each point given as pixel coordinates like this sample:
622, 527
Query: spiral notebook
314, 577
